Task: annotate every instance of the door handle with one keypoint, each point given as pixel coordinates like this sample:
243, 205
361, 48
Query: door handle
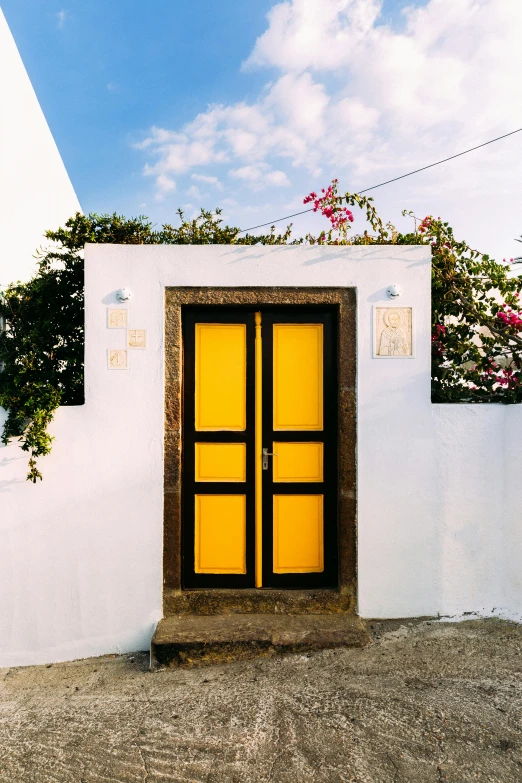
266, 455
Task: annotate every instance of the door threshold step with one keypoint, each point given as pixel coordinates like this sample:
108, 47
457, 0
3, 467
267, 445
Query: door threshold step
259, 601
198, 639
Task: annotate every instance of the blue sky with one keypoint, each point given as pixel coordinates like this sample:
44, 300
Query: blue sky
108, 71
168, 104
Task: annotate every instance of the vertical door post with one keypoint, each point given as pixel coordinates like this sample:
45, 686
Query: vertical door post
259, 453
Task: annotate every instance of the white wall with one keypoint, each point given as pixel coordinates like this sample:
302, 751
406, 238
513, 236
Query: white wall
35, 191
468, 532
45, 614
81, 553
512, 511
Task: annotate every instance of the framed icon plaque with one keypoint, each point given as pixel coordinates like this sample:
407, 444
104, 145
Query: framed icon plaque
393, 332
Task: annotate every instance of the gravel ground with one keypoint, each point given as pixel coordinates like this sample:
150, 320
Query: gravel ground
426, 702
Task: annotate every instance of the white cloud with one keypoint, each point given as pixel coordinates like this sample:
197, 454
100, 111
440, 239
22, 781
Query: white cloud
247, 173
61, 17
194, 192
278, 179
179, 152
260, 176
287, 122
355, 98
317, 34
164, 185
208, 180
231, 203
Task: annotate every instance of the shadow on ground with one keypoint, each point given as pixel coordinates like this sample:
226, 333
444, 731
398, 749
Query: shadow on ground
427, 702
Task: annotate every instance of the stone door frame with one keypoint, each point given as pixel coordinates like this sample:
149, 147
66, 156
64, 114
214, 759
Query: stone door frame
344, 597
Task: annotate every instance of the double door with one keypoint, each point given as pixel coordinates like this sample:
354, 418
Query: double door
259, 454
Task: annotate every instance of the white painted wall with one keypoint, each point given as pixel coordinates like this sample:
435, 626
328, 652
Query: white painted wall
35, 191
512, 511
438, 504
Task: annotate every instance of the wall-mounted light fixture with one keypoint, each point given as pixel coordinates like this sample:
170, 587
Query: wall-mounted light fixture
394, 291
123, 295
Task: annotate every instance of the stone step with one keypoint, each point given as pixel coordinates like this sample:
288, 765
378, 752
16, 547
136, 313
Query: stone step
246, 601
197, 639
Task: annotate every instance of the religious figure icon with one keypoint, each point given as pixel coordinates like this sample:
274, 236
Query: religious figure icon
117, 318
393, 332
117, 359
137, 338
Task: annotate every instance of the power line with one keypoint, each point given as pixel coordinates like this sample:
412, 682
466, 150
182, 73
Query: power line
373, 187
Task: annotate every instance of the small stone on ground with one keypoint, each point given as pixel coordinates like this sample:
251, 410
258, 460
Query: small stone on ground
427, 702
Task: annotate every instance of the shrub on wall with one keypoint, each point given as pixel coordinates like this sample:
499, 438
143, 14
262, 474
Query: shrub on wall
41, 348
477, 322
476, 308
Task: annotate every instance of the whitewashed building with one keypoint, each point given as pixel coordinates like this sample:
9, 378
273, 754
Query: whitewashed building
369, 502
35, 190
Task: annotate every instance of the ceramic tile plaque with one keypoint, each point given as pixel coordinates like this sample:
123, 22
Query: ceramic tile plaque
117, 359
393, 332
117, 318
137, 338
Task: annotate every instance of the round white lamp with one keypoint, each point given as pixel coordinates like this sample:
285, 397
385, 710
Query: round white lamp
394, 291
123, 295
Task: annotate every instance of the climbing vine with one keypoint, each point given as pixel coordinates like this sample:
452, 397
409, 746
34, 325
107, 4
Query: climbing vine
476, 315
476, 308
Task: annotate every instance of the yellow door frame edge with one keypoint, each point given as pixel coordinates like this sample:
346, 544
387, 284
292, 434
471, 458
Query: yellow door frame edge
259, 454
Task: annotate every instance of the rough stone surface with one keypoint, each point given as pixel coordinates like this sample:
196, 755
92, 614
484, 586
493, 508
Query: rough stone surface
208, 602
197, 638
426, 703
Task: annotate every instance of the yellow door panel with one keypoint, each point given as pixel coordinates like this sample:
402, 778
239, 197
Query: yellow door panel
220, 377
220, 534
220, 462
298, 534
298, 461
298, 376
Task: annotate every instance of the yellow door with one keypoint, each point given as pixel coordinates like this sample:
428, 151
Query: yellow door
259, 448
